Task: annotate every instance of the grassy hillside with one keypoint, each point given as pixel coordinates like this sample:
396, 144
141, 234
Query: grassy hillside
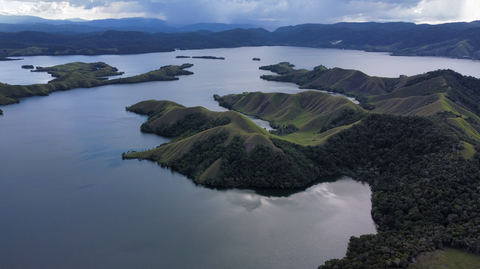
195, 130
447, 258
215, 135
422, 95
83, 75
308, 111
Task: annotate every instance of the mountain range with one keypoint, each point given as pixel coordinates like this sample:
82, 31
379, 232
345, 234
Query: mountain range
150, 25
28, 36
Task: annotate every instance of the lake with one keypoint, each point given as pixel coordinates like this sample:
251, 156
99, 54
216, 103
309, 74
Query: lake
67, 200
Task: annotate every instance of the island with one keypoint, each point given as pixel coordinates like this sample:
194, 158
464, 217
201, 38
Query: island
256, 59
414, 140
208, 57
200, 57
27, 66
1, 112
5, 59
84, 75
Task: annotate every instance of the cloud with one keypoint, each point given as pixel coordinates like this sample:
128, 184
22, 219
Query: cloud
283, 12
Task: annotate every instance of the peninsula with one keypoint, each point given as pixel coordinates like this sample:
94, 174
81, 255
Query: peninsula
84, 75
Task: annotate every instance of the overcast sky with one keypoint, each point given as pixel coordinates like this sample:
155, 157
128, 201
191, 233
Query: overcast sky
275, 12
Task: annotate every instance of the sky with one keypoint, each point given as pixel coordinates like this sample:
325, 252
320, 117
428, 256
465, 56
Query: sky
259, 12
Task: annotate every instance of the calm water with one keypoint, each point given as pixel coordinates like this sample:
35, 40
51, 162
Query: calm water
67, 200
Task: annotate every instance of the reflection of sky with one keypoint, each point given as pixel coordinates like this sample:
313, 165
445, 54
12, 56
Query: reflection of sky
330, 212
342, 194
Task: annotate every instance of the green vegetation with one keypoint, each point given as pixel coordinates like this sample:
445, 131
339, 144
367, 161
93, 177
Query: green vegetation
423, 191
200, 57
347, 117
209, 57
447, 258
27, 66
283, 130
187, 121
307, 113
219, 148
164, 114
423, 95
281, 68
83, 75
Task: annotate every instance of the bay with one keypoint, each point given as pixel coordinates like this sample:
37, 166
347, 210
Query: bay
67, 200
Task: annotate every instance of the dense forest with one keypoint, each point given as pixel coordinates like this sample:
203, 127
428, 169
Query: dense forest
457, 40
424, 196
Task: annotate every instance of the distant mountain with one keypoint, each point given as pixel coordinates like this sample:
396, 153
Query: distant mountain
11, 19
31, 23
456, 40
214, 27
140, 35
49, 28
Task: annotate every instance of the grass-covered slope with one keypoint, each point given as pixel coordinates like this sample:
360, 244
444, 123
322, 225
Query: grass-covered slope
447, 258
83, 75
308, 111
422, 95
349, 81
208, 147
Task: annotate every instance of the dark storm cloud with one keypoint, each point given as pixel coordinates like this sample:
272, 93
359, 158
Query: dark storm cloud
284, 11
250, 11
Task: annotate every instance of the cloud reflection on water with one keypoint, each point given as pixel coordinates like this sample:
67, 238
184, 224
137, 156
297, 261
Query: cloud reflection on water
336, 194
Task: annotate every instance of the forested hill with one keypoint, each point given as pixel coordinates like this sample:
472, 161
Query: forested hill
458, 40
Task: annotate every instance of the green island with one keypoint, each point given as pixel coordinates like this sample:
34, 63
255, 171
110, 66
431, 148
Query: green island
208, 57
200, 57
414, 140
84, 75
